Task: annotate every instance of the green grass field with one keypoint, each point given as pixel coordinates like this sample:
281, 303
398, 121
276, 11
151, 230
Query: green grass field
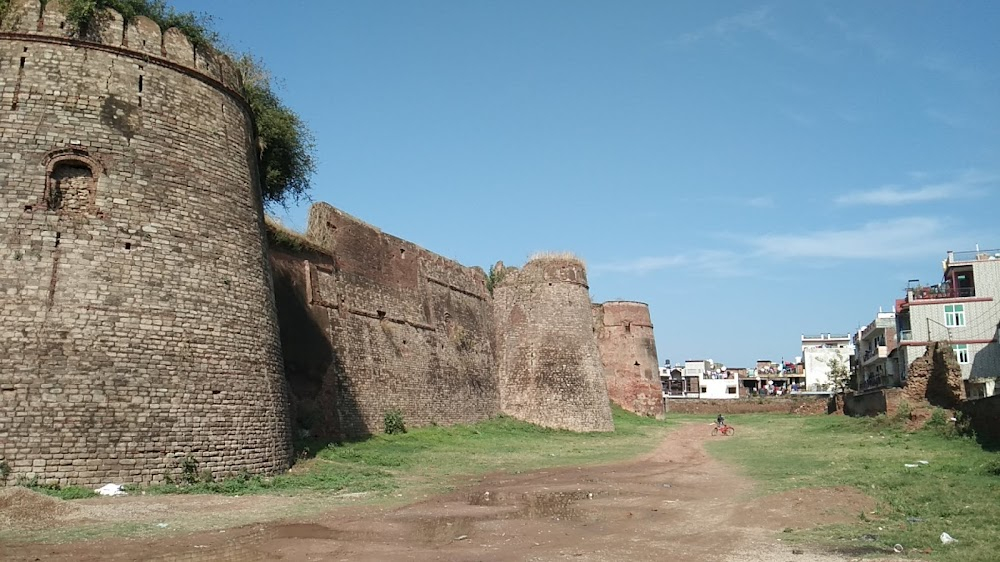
432, 459
957, 491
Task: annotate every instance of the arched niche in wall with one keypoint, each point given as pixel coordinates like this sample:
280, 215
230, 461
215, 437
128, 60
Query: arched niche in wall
71, 181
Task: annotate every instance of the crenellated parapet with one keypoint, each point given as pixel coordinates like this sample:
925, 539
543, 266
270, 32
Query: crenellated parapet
140, 38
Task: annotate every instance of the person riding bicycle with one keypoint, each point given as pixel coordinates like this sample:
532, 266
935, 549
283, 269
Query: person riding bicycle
720, 421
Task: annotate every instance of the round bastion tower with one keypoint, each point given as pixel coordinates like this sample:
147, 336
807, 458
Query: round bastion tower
550, 371
137, 319
628, 351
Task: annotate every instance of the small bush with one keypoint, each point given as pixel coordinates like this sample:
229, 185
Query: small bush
992, 466
5, 471
206, 476
394, 422
903, 412
189, 470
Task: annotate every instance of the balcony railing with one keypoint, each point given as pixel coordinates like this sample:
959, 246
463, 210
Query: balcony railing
977, 255
876, 382
826, 337
875, 353
942, 292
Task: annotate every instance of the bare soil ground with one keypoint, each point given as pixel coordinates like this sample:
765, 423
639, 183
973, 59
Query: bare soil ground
674, 504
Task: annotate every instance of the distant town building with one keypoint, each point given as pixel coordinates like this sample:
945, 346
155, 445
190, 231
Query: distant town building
700, 378
818, 351
873, 345
963, 310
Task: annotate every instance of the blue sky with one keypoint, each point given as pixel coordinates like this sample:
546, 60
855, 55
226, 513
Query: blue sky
753, 171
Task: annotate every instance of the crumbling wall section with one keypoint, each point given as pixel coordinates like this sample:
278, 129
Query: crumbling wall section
628, 353
935, 377
550, 370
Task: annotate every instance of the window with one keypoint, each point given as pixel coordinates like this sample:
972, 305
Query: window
71, 187
71, 181
954, 315
704, 390
962, 353
730, 390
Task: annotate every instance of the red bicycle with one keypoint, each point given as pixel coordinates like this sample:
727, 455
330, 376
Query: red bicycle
726, 430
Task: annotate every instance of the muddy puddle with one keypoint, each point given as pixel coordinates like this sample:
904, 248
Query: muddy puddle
433, 529
562, 505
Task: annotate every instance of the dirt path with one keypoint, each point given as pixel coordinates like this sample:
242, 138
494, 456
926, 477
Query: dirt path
674, 504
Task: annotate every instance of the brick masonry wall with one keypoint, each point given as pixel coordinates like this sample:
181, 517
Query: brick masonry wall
137, 317
807, 405
550, 371
985, 416
867, 404
372, 323
628, 353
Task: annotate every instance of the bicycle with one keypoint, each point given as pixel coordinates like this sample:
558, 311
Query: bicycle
726, 430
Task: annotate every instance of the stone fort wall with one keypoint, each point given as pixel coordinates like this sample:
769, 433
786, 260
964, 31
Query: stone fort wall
372, 323
137, 320
628, 353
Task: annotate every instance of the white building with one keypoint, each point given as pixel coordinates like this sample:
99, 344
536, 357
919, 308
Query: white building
713, 382
964, 310
818, 351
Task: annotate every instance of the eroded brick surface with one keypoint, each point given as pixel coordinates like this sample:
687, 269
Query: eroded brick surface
628, 352
549, 367
372, 323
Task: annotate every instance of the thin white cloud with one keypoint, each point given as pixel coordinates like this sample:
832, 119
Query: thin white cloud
968, 184
757, 256
889, 239
948, 118
715, 262
797, 117
760, 202
944, 64
757, 201
753, 20
873, 42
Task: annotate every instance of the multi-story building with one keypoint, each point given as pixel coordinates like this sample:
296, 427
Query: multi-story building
964, 310
817, 353
700, 378
873, 344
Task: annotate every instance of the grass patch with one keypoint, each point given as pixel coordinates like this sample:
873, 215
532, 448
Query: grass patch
55, 490
389, 462
956, 492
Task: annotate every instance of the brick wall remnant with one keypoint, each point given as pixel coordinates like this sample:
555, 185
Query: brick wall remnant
549, 367
137, 319
628, 353
802, 405
935, 377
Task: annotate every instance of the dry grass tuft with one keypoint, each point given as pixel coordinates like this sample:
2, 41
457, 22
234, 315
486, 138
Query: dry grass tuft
566, 256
